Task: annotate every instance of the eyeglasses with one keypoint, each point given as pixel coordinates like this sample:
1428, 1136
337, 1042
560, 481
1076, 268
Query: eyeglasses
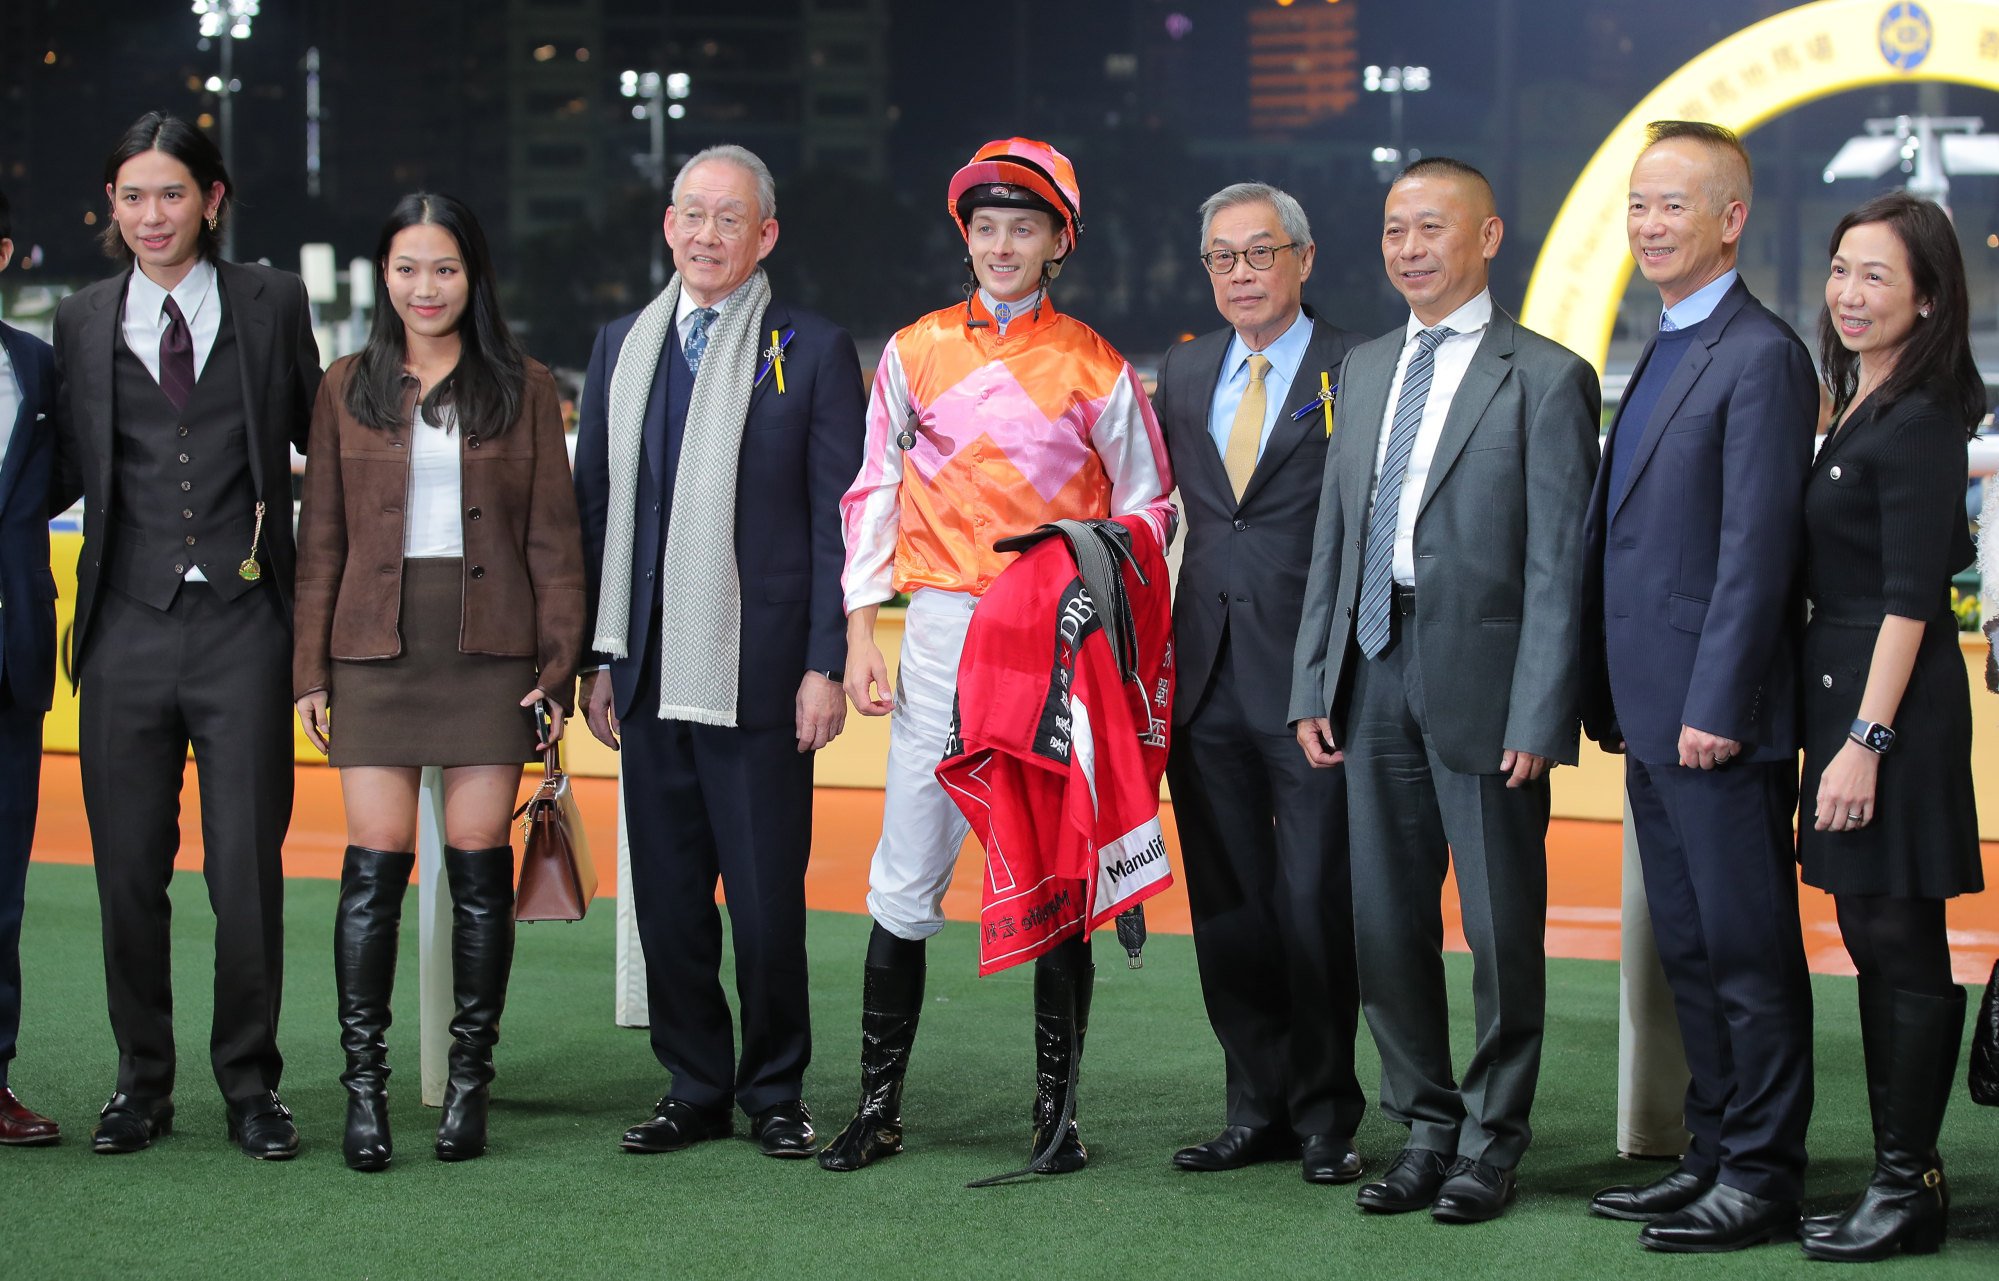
729, 226
1221, 262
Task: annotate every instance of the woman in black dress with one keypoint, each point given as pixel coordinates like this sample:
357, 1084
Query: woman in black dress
1887, 822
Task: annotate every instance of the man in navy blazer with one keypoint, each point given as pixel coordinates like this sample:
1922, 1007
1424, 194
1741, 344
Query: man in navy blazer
709, 800
27, 659
1690, 664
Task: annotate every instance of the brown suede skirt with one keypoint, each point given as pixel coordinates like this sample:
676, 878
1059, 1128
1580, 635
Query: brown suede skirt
431, 705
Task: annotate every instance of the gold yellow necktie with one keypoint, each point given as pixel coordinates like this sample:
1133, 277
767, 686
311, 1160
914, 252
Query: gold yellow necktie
1246, 433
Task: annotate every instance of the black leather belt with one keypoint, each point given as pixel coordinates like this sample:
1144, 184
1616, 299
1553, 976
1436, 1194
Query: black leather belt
1405, 601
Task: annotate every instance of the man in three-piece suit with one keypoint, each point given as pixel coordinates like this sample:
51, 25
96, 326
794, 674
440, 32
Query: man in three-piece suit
27, 660
185, 381
1438, 651
1692, 613
718, 430
1262, 834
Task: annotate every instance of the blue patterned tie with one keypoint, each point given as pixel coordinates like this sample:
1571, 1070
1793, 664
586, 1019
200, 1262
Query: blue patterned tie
1375, 621
697, 340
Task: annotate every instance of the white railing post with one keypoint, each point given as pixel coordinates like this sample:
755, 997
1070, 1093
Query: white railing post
433, 900
630, 1005
1651, 1061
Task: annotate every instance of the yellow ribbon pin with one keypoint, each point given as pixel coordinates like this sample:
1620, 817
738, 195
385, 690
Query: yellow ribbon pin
777, 359
1326, 398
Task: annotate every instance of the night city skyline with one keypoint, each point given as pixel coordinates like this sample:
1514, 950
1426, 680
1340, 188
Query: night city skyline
863, 108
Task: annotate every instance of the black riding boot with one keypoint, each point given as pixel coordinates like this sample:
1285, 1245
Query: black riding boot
1876, 1016
891, 1000
365, 928
1064, 981
1903, 1206
482, 954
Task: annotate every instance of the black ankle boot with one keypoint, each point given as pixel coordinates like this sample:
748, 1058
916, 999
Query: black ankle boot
482, 954
1904, 1207
365, 929
1064, 981
891, 999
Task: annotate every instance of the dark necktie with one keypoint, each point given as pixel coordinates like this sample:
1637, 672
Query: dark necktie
697, 338
176, 357
1374, 624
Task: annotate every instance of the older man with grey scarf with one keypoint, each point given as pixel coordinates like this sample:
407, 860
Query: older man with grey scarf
718, 430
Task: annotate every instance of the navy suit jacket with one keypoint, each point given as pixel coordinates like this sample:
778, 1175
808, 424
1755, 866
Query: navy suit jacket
801, 450
27, 588
1691, 585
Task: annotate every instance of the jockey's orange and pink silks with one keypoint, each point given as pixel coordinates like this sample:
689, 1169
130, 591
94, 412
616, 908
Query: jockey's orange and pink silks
998, 434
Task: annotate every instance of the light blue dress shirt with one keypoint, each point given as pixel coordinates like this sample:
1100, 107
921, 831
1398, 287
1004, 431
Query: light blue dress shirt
1284, 355
1698, 305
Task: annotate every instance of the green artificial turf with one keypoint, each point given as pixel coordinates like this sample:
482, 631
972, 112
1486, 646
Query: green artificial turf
555, 1197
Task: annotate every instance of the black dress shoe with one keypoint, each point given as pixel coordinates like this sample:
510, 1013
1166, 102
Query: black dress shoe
784, 1130
1237, 1146
129, 1124
1330, 1158
1721, 1219
677, 1124
262, 1127
1411, 1183
1474, 1192
1644, 1202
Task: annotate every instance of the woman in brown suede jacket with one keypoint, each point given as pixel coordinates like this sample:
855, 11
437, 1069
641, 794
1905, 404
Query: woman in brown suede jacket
440, 603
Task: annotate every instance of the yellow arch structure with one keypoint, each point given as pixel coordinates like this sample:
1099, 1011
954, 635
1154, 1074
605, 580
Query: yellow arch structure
1783, 62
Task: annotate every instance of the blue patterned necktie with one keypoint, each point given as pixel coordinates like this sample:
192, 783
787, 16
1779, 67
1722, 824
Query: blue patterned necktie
697, 339
1375, 621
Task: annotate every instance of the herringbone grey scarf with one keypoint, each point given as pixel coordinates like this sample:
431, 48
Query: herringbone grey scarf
701, 599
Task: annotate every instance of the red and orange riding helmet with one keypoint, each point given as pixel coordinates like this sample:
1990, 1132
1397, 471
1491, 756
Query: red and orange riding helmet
1018, 173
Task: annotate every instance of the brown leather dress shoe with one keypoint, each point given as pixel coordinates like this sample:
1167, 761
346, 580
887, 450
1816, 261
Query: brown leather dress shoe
22, 1126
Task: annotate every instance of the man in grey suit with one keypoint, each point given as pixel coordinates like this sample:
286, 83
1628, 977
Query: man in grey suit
1438, 650
1262, 834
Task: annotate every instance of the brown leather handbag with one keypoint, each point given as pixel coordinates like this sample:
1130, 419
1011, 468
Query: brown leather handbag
558, 878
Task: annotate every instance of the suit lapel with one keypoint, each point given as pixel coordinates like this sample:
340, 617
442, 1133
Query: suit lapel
242, 293
1197, 377
1488, 368
95, 374
1364, 386
1679, 385
1290, 431
27, 373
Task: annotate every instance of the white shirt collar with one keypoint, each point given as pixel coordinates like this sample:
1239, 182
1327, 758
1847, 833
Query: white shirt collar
687, 306
1468, 319
144, 299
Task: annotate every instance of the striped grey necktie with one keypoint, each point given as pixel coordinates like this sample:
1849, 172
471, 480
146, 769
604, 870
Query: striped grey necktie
1374, 623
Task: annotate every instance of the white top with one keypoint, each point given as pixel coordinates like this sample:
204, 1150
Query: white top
146, 317
434, 526
1452, 358
10, 400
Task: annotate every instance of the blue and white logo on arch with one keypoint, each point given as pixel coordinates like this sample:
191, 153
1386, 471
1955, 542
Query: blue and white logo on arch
1906, 32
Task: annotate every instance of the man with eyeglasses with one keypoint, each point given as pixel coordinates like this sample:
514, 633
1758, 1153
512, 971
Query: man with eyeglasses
718, 430
1247, 412
1439, 650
